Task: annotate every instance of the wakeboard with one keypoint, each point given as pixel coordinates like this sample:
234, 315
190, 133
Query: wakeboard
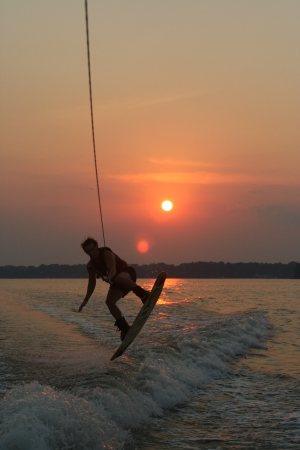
142, 316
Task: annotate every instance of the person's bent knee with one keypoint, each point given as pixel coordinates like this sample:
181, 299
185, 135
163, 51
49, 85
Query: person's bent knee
109, 302
113, 297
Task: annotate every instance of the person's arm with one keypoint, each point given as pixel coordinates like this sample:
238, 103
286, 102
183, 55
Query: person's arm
110, 262
90, 290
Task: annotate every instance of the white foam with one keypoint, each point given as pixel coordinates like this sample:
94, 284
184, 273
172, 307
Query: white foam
157, 376
39, 417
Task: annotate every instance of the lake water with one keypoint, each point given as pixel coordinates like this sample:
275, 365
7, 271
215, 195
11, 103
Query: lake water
217, 366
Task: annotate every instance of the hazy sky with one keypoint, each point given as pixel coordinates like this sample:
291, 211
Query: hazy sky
195, 101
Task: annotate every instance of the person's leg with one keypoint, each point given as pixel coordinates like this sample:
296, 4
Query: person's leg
113, 296
124, 279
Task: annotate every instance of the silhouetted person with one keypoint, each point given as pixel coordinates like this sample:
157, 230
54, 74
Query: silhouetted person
122, 278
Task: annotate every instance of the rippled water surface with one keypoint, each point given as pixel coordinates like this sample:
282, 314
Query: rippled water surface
217, 366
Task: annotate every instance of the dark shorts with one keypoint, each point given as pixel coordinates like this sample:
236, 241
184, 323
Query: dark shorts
132, 274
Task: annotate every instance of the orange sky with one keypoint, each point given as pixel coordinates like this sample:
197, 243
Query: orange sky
194, 101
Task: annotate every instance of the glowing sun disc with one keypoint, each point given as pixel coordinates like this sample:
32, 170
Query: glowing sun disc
143, 246
167, 205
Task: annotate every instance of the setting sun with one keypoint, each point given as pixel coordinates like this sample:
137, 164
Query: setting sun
167, 205
143, 246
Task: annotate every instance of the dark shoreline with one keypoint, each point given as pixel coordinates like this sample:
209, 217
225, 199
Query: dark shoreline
185, 270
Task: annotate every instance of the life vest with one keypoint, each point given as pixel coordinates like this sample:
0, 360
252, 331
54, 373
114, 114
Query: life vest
100, 264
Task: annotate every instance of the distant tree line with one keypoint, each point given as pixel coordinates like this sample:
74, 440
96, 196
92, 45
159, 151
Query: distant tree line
186, 270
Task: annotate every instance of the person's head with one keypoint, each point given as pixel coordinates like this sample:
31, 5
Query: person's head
90, 247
